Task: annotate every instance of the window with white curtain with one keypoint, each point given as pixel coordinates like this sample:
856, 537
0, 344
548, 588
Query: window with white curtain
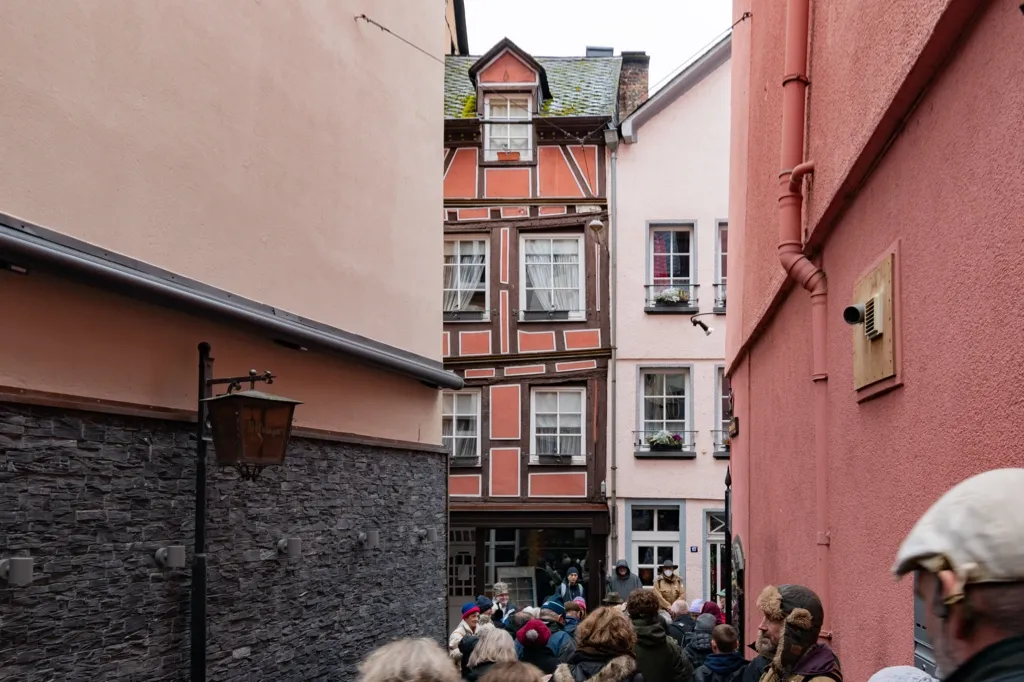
552, 276
460, 423
465, 278
664, 406
508, 135
557, 421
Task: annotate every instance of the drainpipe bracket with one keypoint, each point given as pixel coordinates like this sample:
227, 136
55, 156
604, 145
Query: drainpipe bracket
795, 77
825, 538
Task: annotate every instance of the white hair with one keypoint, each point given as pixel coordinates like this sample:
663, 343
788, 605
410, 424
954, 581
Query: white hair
901, 673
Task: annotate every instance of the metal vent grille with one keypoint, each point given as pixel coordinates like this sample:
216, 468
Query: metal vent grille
873, 317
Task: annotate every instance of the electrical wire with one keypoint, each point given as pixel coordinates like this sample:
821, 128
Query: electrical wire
411, 44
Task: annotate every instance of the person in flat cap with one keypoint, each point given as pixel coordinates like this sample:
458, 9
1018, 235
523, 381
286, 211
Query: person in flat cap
967, 553
792, 616
612, 599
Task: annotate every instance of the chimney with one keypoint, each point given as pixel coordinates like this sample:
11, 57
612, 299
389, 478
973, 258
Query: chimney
600, 51
633, 82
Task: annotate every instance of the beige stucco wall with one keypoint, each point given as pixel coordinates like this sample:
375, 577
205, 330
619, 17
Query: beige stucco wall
677, 171
280, 150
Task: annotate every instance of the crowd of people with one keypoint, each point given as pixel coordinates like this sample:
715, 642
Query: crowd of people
967, 553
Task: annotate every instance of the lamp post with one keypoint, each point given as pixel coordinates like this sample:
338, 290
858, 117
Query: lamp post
727, 550
250, 430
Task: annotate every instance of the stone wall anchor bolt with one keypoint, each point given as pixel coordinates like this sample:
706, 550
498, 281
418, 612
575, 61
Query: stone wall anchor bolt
171, 557
290, 547
370, 539
427, 534
16, 570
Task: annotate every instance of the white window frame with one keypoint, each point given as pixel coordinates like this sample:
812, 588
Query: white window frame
688, 419
576, 460
524, 154
491, 543
486, 316
688, 228
479, 427
716, 540
721, 255
575, 315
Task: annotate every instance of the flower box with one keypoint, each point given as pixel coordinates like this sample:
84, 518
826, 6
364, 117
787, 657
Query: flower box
663, 441
672, 297
508, 156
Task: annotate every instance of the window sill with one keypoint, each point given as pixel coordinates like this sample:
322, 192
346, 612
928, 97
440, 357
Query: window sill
671, 310
720, 454
497, 163
550, 320
665, 454
718, 310
464, 462
467, 320
557, 460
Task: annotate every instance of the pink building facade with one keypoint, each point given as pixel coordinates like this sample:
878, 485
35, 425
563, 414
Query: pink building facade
910, 208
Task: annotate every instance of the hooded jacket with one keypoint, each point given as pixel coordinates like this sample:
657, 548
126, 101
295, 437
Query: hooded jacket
623, 586
658, 657
669, 590
461, 630
819, 664
598, 668
722, 668
699, 647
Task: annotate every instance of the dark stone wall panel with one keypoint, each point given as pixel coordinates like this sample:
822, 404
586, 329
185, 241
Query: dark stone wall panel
92, 497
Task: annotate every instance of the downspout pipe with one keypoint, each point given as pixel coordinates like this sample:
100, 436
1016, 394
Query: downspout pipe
801, 270
612, 142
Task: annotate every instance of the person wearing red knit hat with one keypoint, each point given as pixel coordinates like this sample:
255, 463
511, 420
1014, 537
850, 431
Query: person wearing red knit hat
533, 646
466, 627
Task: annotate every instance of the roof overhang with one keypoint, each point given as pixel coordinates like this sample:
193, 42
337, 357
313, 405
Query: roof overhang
523, 56
702, 67
38, 248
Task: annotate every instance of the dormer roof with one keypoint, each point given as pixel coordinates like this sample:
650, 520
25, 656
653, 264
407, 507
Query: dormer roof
506, 45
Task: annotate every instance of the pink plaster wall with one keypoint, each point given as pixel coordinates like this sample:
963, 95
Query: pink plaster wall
952, 189
59, 337
284, 137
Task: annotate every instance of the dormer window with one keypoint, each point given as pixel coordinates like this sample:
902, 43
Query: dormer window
508, 135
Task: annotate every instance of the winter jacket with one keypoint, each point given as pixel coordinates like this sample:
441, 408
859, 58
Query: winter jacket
569, 592
755, 668
658, 657
722, 668
561, 642
598, 668
570, 626
699, 647
466, 647
460, 631
541, 656
680, 628
820, 664
623, 586
669, 590
501, 615
479, 671
1001, 662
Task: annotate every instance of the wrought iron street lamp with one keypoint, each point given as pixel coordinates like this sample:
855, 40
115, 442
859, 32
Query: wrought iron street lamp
250, 430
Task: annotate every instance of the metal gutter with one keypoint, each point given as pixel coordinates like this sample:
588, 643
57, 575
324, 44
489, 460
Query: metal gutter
38, 248
461, 32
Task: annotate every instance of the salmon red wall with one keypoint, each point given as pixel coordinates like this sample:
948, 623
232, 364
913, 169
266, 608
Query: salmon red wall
892, 456
507, 68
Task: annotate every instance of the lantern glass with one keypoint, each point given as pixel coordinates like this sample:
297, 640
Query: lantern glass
250, 427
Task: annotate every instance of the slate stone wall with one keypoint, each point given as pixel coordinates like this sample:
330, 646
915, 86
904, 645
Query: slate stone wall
91, 497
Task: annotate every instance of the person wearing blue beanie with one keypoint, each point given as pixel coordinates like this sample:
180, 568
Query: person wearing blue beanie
571, 588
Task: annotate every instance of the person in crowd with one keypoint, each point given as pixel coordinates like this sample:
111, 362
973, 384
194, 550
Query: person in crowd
695, 607
408, 659
571, 587
605, 651
518, 620
756, 667
561, 642
583, 605
533, 647
716, 611
503, 609
466, 647
699, 646
495, 646
967, 552
573, 615
792, 620
486, 607
668, 585
613, 599
901, 673
467, 626
726, 663
623, 580
513, 672
721, 600
658, 657
682, 622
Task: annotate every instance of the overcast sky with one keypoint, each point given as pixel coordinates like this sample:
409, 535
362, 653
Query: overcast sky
670, 31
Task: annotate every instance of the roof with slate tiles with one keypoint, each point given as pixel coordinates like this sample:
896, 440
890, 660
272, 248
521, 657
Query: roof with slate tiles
580, 86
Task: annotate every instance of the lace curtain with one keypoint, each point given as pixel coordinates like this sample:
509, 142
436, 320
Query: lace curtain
464, 264
552, 274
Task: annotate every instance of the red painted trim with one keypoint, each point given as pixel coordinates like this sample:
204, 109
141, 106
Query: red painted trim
504, 256
575, 366
488, 373
503, 322
524, 370
554, 476
465, 477
490, 473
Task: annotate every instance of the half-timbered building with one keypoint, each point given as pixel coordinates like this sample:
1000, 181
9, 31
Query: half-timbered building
526, 315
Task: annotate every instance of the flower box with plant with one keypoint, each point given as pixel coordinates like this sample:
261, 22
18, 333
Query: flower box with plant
663, 441
672, 296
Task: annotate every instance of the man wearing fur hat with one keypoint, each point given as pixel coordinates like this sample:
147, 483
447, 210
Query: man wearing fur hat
792, 620
967, 552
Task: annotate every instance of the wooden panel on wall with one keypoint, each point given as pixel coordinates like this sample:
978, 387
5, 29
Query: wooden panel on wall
503, 321
507, 68
474, 213
475, 343
582, 339
536, 342
575, 366
487, 373
504, 473
524, 370
586, 161
554, 177
504, 412
515, 212
561, 484
460, 180
465, 485
507, 183
446, 344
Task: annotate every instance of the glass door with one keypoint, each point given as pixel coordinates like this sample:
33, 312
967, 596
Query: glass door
649, 556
